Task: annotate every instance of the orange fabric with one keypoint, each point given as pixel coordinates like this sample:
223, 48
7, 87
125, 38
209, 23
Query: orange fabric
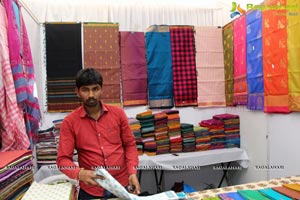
275, 58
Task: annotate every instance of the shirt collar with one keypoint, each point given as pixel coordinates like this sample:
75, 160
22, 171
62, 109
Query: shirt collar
83, 113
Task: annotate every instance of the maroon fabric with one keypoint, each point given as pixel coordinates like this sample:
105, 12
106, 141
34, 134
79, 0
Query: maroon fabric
184, 65
225, 116
133, 68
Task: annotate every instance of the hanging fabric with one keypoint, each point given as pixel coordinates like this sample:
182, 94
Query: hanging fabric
13, 130
293, 41
254, 61
159, 63
210, 67
228, 62
101, 51
275, 58
64, 60
183, 65
133, 68
22, 67
239, 61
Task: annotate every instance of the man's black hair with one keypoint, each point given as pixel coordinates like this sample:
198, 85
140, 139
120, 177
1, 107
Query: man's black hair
88, 76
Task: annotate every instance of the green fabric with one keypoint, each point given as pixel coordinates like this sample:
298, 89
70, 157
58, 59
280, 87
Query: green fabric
228, 62
211, 198
252, 195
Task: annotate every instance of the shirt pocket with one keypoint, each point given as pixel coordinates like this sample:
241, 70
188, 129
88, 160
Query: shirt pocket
113, 135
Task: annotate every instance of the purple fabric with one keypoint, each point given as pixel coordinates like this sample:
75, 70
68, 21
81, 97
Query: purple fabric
133, 68
24, 165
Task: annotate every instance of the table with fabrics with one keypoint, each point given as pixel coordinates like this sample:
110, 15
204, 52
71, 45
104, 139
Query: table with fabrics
276, 183
178, 161
192, 161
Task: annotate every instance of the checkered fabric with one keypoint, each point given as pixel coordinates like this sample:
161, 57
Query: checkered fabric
184, 65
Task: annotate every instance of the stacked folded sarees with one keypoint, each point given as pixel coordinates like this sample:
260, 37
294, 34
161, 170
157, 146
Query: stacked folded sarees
188, 137
174, 131
217, 135
202, 138
161, 132
231, 128
16, 173
135, 127
146, 120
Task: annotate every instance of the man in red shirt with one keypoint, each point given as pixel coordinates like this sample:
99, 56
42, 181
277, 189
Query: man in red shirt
102, 137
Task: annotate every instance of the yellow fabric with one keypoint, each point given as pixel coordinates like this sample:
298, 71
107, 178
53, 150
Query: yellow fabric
293, 186
293, 41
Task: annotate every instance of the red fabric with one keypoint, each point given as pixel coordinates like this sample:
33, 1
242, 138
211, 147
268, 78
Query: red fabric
107, 142
11, 156
184, 65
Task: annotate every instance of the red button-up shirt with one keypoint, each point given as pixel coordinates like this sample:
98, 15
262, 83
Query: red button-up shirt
107, 142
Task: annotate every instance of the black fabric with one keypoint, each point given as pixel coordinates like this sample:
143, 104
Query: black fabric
63, 50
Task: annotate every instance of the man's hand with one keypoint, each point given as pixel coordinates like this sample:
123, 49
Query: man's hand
133, 180
89, 176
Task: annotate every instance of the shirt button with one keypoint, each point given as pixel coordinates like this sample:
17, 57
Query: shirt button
99, 134
101, 147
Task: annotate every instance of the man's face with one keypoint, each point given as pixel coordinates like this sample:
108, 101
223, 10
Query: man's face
90, 94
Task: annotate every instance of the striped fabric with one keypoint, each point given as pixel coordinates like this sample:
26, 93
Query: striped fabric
14, 137
133, 68
101, 51
63, 52
293, 41
275, 59
22, 67
183, 65
159, 63
210, 67
254, 61
228, 62
239, 66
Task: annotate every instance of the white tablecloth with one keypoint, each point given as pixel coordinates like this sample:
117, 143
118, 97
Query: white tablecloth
193, 160
180, 161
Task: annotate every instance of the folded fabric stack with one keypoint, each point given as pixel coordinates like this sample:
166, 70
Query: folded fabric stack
174, 131
57, 124
284, 192
47, 143
59, 191
290, 190
46, 146
188, 136
161, 132
16, 173
135, 127
217, 135
146, 120
202, 138
231, 128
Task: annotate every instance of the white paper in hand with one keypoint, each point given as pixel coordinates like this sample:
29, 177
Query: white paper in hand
112, 185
